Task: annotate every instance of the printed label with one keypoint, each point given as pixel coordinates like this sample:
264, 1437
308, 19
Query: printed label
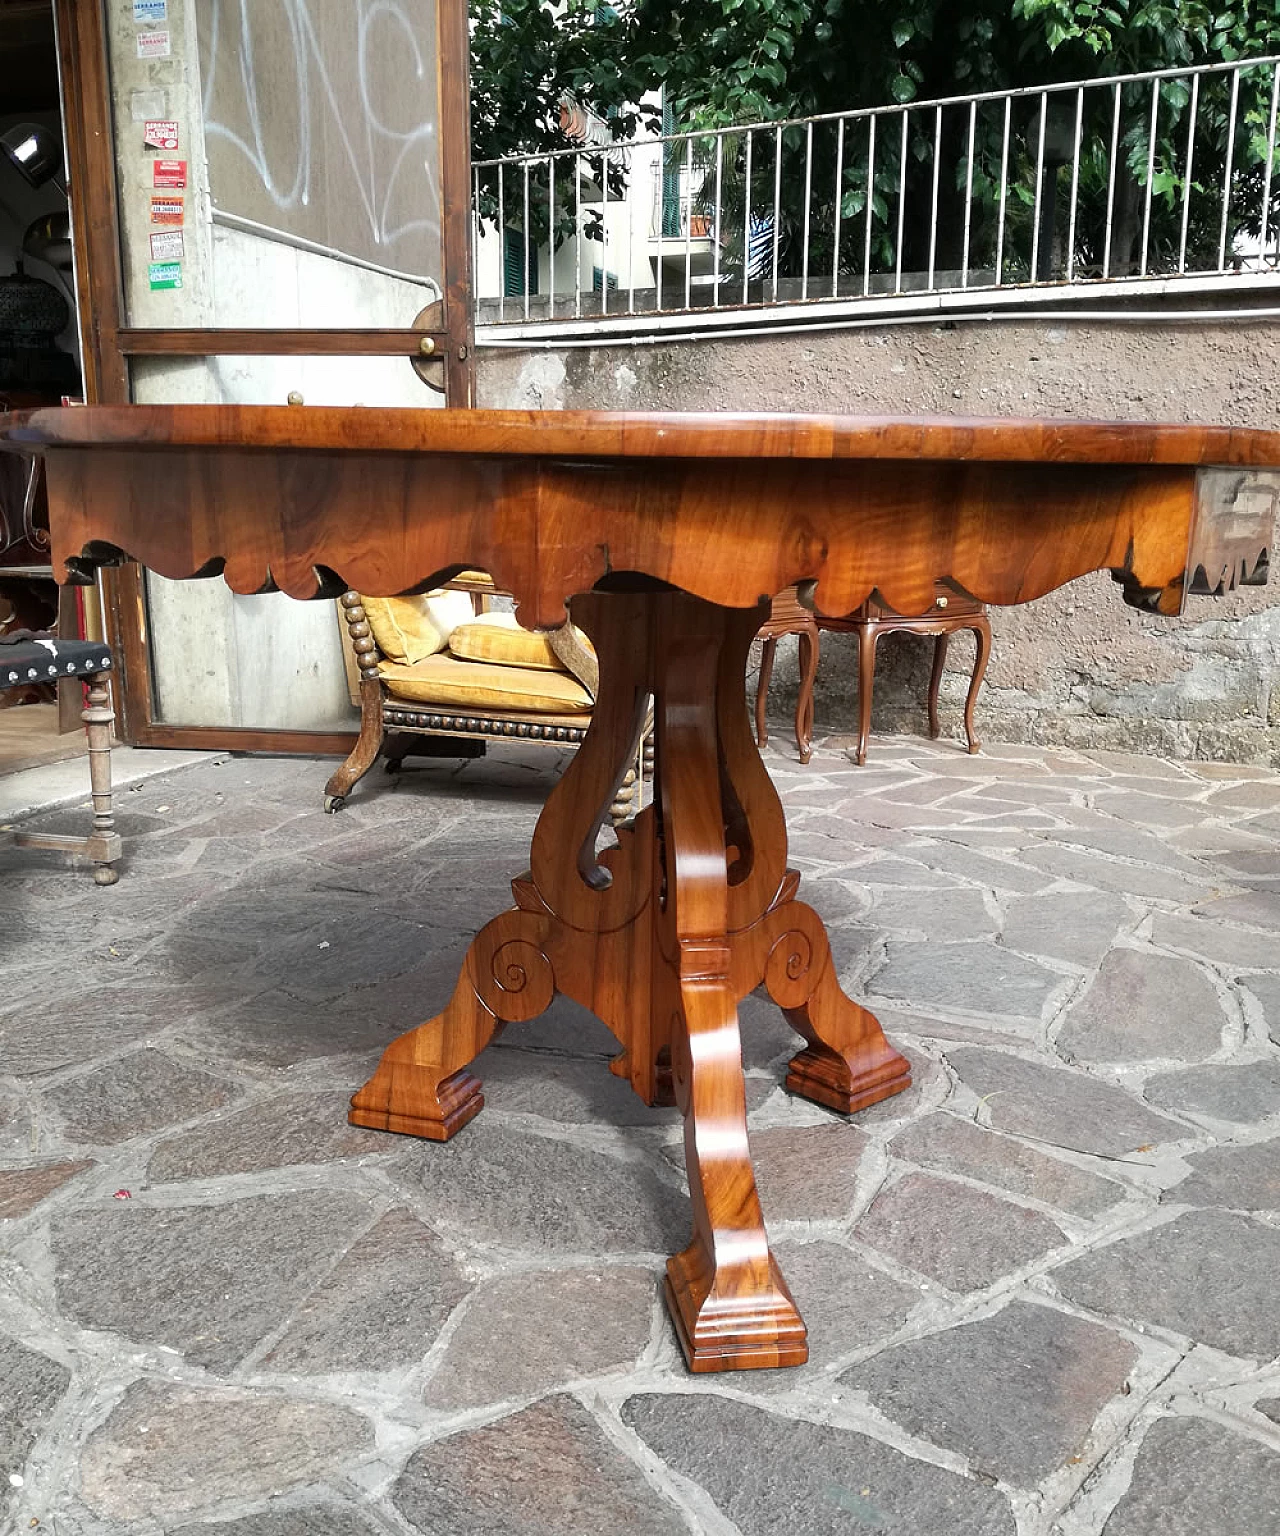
165, 274
169, 173
150, 10
167, 210
160, 134
167, 245
154, 45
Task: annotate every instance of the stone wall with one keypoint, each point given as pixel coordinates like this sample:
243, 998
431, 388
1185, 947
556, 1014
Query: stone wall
1077, 667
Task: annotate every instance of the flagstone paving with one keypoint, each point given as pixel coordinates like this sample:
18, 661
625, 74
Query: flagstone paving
1040, 1285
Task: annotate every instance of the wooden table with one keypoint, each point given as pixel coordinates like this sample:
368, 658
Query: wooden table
668, 534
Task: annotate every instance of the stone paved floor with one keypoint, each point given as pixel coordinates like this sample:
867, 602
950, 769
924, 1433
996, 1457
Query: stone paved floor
1040, 1286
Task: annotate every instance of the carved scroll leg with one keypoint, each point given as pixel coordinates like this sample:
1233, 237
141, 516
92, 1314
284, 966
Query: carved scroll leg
422, 1087
935, 682
982, 654
730, 1304
848, 1063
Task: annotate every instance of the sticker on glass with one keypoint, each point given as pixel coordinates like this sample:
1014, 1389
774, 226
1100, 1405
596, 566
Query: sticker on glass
167, 245
161, 133
154, 45
165, 274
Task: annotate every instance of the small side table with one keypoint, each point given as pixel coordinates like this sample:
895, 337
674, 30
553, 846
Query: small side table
952, 609
788, 616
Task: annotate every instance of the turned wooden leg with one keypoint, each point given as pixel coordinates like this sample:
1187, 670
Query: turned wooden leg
807, 641
982, 654
99, 717
421, 1086
620, 808
731, 1308
935, 681
768, 647
867, 635
103, 843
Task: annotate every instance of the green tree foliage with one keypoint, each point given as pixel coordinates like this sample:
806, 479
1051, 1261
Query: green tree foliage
731, 62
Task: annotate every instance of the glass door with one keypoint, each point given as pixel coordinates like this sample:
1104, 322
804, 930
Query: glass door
289, 214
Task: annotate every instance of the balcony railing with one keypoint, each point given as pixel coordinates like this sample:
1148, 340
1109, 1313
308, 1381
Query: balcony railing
1155, 183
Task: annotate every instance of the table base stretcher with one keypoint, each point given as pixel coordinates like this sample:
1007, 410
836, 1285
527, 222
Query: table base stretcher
660, 938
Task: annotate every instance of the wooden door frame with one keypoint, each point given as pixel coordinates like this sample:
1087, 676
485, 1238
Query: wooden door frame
107, 343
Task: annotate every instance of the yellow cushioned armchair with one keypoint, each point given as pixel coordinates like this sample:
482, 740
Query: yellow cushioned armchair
444, 672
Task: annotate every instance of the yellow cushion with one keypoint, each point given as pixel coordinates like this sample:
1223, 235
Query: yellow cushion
451, 683
408, 629
498, 638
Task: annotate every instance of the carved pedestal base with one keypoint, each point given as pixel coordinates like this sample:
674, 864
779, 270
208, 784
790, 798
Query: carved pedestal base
661, 937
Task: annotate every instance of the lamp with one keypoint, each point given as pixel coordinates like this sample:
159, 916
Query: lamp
48, 239
36, 154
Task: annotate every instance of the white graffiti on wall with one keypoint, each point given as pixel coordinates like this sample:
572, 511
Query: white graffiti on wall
386, 166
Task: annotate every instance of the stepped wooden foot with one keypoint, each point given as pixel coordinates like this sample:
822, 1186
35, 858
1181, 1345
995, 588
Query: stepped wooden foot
760, 1329
725, 1293
847, 1064
421, 1086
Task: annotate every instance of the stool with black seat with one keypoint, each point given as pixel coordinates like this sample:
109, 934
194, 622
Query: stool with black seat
26, 659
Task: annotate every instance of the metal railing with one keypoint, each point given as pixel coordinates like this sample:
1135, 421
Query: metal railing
1167, 181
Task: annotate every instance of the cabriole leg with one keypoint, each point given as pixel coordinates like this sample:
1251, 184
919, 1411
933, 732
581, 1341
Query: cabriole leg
982, 654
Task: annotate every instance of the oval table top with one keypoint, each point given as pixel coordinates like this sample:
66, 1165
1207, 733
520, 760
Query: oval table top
733, 508
636, 434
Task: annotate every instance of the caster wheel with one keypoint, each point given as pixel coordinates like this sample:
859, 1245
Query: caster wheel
334, 803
